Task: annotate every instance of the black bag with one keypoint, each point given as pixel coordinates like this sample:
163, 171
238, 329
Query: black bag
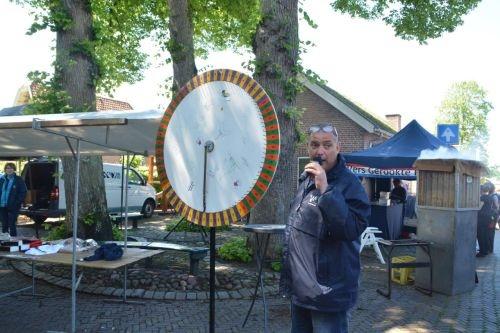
110, 251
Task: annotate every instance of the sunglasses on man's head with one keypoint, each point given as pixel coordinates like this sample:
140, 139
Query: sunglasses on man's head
324, 128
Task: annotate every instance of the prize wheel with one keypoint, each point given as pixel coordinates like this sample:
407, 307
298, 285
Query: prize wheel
231, 112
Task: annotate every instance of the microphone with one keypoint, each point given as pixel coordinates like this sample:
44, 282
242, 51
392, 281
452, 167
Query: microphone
304, 174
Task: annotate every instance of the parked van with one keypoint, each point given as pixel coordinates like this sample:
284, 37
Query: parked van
46, 194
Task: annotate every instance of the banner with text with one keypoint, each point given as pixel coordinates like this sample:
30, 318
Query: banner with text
365, 171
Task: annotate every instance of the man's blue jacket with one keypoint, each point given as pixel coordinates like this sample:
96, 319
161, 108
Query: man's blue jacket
321, 251
17, 193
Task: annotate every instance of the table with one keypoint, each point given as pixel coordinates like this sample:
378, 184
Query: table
262, 234
130, 255
401, 243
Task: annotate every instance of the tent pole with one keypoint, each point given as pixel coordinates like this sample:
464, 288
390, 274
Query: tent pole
122, 179
75, 224
126, 229
126, 200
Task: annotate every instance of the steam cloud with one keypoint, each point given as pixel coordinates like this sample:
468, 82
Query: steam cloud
447, 153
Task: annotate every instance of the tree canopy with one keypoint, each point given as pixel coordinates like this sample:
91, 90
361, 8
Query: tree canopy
118, 28
412, 20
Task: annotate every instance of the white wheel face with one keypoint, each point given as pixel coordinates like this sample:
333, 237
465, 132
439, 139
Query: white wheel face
225, 114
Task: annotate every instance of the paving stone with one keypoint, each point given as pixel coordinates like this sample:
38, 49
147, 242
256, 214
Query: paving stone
85, 288
170, 295
159, 295
137, 292
148, 294
108, 291
234, 294
201, 295
100, 290
118, 292
222, 295
180, 295
245, 292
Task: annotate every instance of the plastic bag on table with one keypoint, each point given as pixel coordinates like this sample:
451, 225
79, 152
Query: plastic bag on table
81, 245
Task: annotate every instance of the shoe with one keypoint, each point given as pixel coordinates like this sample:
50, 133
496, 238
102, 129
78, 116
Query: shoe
480, 255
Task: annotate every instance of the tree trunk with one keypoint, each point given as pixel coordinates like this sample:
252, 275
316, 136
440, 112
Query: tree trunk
92, 205
181, 45
76, 72
276, 46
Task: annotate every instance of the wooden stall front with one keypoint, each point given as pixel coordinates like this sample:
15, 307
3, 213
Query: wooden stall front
452, 184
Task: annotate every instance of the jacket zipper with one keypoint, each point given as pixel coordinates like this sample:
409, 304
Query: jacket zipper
304, 193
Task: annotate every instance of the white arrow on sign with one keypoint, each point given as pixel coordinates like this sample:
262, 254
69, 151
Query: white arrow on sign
448, 134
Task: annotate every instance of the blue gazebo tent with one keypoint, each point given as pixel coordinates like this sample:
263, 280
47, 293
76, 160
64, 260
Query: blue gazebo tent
394, 158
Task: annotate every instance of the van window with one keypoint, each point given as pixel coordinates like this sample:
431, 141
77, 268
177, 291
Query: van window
134, 178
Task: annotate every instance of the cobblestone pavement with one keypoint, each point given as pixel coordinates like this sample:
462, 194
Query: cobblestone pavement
407, 311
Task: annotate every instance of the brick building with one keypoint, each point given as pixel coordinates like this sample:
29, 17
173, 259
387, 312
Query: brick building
26, 93
357, 128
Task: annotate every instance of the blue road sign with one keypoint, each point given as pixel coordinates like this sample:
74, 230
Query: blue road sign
448, 133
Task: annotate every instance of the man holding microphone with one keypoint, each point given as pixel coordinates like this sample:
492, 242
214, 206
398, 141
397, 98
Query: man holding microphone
321, 250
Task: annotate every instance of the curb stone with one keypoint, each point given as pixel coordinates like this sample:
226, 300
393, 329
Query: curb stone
244, 293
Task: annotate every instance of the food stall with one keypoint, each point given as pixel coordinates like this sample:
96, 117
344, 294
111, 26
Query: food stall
392, 159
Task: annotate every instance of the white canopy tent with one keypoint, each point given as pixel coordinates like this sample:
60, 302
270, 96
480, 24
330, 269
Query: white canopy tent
89, 133
101, 133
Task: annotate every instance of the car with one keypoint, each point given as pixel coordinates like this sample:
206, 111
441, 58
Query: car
46, 194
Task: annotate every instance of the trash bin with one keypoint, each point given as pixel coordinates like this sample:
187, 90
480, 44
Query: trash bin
447, 206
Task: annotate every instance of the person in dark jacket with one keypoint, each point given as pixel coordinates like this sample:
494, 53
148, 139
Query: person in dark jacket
486, 219
398, 193
12, 194
321, 265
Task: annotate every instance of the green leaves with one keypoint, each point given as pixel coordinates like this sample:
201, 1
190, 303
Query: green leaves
222, 24
467, 105
49, 97
47, 14
307, 18
120, 26
119, 29
411, 20
235, 249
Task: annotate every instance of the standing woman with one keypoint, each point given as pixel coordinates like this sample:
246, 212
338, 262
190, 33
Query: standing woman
12, 194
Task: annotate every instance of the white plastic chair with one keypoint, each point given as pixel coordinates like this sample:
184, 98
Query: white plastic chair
368, 238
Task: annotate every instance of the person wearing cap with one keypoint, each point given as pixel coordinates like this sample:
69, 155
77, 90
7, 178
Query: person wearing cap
321, 265
12, 193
